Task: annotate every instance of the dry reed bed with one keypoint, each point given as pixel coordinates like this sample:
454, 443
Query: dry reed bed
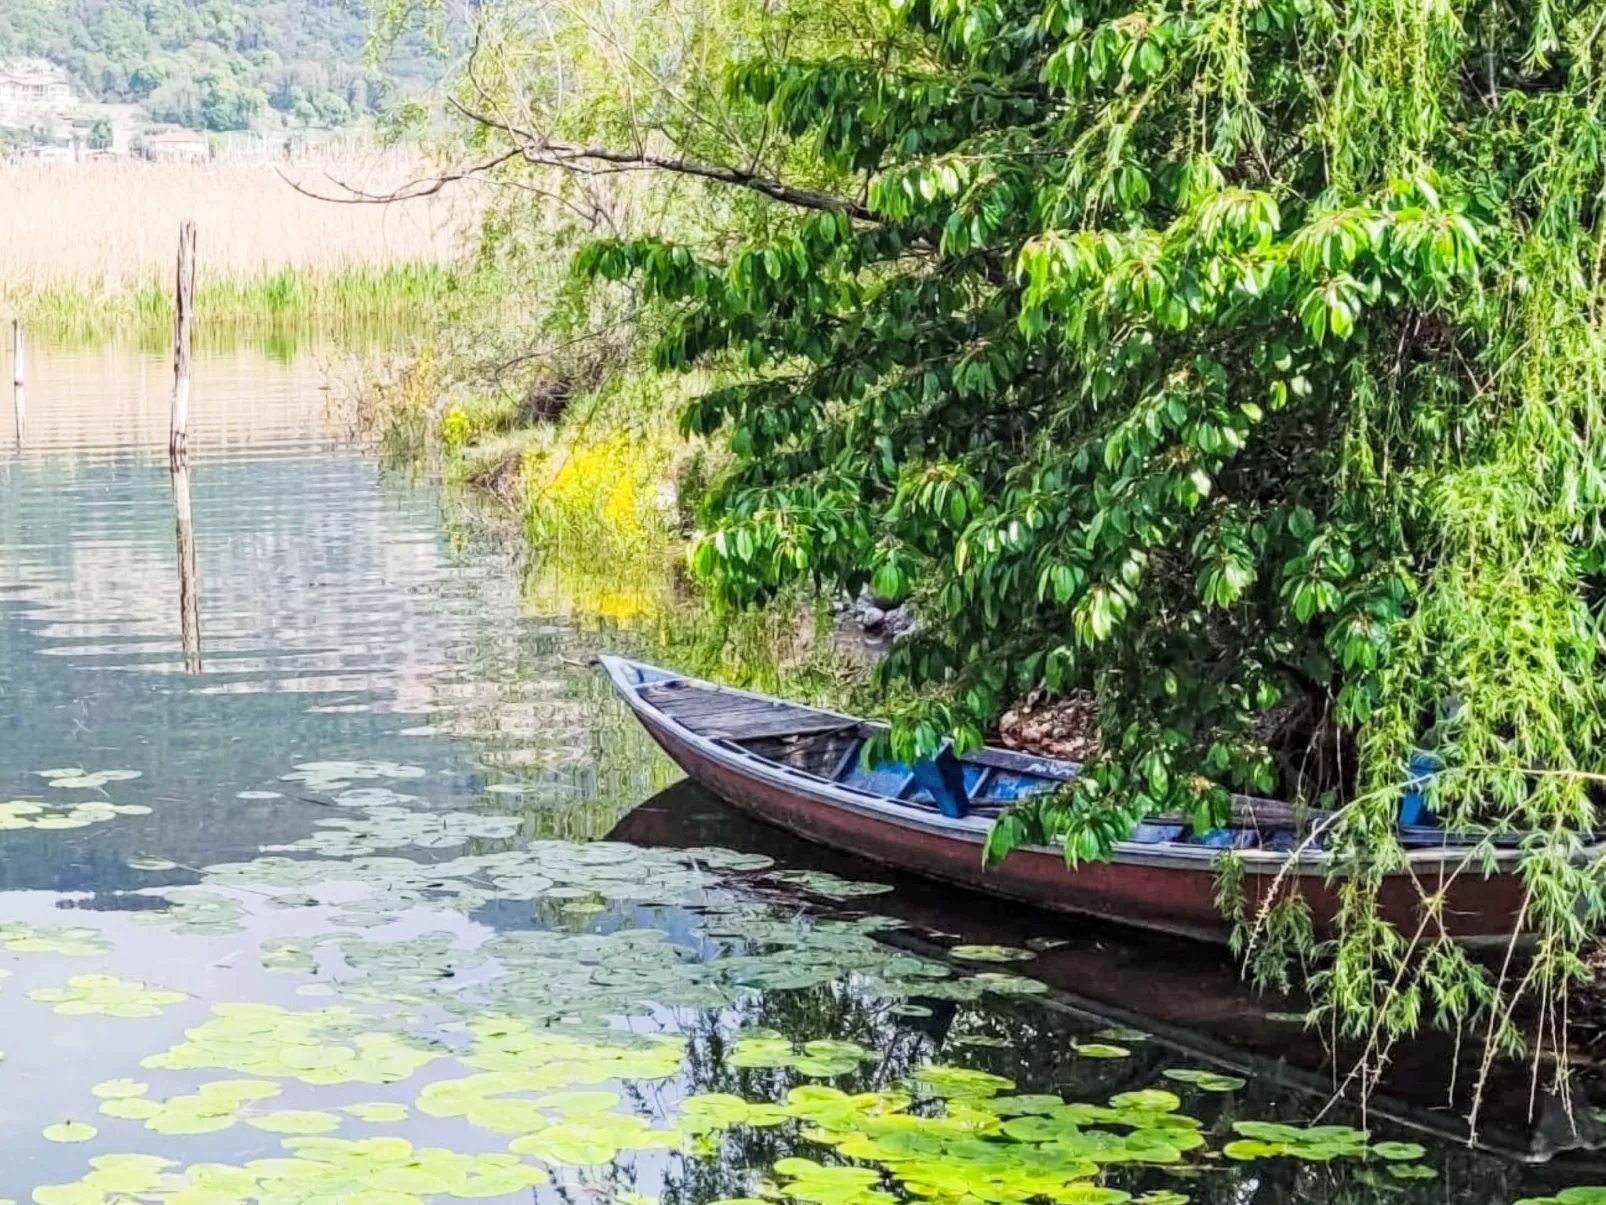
109, 227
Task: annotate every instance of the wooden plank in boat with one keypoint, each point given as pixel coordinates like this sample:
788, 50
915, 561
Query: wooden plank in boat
723, 716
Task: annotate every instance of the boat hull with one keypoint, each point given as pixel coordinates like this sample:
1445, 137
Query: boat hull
1151, 889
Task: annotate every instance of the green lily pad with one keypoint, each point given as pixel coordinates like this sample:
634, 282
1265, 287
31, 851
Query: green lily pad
961, 1081
990, 953
133, 1108
296, 1121
1089, 1194
108, 996
377, 1111
114, 1089
1100, 1050
1400, 1152
1253, 1148
70, 1131
1205, 1081
1147, 1098
1420, 1171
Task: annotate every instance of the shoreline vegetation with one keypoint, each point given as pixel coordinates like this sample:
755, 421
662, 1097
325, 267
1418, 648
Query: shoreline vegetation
87, 250
600, 494
86, 310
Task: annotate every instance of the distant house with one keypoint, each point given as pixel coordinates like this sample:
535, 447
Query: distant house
177, 144
34, 84
48, 154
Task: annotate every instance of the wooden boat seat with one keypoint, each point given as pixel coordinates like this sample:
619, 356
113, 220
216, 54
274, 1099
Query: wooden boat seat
724, 715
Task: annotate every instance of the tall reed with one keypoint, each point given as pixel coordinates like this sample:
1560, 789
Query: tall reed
88, 247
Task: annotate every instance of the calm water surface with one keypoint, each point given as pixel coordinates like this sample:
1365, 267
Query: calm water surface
336, 836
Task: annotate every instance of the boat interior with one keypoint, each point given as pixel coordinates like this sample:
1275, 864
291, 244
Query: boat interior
981, 783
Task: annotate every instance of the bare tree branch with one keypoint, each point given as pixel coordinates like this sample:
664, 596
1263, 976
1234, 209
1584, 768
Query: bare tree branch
413, 190
582, 158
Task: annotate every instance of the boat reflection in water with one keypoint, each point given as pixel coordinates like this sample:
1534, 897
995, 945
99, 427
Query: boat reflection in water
1188, 997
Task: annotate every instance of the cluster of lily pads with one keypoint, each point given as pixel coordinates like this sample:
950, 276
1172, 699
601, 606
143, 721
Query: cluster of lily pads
399, 827
75, 942
221, 1104
550, 973
981, 1144
33, 813
947, 1134
388, 1170
76, 778
195, 910
334, 1045
821, 1057
587, 938
1266, 1139
108, 996
16, 814
332, 776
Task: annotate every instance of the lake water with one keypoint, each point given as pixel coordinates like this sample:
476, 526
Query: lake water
323, 880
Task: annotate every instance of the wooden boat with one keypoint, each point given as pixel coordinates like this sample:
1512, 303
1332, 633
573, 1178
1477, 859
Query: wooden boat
801, 768
1189, 997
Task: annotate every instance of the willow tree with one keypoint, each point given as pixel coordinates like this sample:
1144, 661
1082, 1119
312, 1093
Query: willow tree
1239, 363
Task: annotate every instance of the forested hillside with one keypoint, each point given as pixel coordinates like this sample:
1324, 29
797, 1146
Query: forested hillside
219, 64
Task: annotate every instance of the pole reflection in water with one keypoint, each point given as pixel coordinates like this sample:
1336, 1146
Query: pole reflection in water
189, 581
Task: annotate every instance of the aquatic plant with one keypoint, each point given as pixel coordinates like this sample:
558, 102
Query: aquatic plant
76, 942
323, 1046
108, 996
373, 1169
33, 813
77, 311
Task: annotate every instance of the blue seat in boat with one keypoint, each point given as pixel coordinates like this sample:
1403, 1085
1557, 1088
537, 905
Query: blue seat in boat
887, 778
1157, 834
1224, 838
943, 778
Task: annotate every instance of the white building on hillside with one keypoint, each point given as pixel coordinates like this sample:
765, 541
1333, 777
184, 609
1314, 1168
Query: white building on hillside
177, 144
34, 84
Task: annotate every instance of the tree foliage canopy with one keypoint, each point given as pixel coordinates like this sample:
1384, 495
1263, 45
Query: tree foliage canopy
218, 64
1238, 363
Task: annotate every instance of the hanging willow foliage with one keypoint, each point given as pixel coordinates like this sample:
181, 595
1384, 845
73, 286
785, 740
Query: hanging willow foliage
1240, 362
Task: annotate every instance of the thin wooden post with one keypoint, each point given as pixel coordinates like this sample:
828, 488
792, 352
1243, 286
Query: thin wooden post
19, 355
189, 578
178, 443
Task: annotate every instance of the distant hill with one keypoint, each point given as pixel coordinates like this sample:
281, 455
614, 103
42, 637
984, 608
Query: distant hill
219, 64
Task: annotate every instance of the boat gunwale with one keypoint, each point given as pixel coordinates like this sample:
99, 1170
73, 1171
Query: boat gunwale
1170, 855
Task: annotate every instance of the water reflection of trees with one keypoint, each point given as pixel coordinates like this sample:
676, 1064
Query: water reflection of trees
1032, 1046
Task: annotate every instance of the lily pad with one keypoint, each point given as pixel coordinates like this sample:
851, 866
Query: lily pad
1205, 1081
1100, 1050
377, 1111
1420, 1171
151, 864
1399, 1152
70, 1131
991, 953
109, 996
296, 1121
118, 1089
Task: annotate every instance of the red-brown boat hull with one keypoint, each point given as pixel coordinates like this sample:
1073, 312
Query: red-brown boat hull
1133, 891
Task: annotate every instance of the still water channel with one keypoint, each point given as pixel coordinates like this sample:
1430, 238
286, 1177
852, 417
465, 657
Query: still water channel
333, 876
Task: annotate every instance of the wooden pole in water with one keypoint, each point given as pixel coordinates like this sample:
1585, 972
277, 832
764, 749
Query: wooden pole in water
19, 352
178, 443
189, 580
